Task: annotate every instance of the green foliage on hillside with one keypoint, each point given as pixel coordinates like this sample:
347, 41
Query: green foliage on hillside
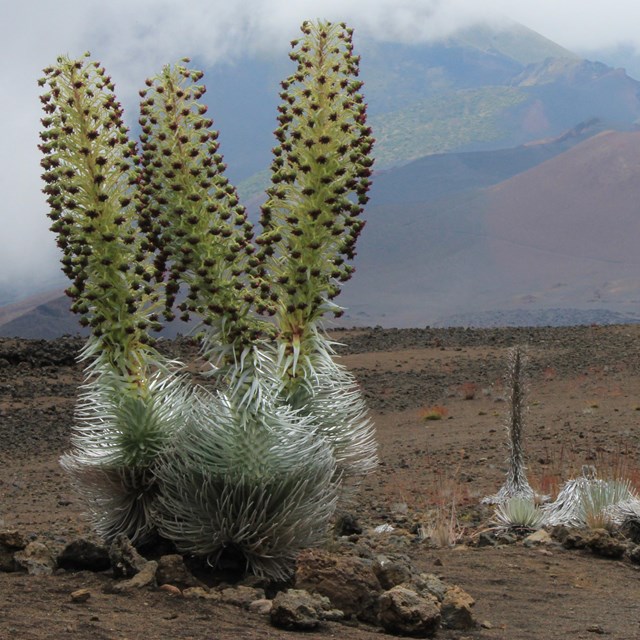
443, 123
254, 187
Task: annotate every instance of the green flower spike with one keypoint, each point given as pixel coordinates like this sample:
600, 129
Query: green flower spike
320, 178
192, 217
89, 171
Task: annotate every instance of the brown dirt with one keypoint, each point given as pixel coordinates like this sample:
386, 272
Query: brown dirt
584, 408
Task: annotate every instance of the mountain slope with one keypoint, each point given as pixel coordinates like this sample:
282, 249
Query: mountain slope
482, 89
579, 210
49, 319
10, 312
514, 41
561, 235
541, 101
438, 175
544, 233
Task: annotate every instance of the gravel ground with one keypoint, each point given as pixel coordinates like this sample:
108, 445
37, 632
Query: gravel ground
583, 409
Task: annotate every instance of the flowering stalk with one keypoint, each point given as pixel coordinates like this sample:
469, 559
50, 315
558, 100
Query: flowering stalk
320, 178
311, 220
191, 214
89, 171
516, 484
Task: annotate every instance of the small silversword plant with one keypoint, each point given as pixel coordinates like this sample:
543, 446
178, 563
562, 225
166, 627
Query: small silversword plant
516, 484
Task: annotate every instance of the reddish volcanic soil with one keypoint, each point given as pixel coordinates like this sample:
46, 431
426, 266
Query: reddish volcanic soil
584, 408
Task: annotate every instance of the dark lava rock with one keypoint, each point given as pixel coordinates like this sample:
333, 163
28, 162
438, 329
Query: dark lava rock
12, 540
391, 573
602, 543
486, 539
347, 525
172, 570
125, 560
634, 554
456, 609
631, 530
82, 554
429, 584
36, 559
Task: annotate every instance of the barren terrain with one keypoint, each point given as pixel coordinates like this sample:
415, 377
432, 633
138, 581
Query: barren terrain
584, 408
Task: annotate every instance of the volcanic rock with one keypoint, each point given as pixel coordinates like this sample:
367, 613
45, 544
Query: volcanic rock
404, 612
349, 582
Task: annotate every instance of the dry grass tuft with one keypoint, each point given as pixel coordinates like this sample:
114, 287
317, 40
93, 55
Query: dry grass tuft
436, 412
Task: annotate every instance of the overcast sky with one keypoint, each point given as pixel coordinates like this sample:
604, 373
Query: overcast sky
134, 38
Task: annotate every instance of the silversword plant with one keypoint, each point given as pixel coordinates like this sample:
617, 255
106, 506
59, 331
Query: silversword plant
252, 467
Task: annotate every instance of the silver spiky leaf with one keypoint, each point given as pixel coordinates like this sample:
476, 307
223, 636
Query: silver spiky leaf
122, 426
119, 500
323, 391
626, 512
518, 512
247, 478
588, 498
329, 394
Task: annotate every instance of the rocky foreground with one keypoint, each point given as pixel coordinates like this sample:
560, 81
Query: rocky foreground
411, 553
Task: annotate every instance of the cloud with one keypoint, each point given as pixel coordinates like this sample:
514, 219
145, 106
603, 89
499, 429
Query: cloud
576, 25
134, 38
